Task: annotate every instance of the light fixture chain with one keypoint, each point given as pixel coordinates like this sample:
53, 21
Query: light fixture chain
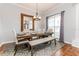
37, 17
36, 9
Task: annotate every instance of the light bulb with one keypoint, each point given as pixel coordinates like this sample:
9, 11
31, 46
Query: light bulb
34, 17
39, 17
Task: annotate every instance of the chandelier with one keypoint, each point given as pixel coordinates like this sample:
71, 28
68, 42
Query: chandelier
37, 17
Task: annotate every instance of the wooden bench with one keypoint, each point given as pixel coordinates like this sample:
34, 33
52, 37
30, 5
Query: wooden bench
40, 41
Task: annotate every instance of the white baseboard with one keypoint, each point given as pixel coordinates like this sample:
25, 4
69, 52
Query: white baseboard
2, 43
75, 45
67, 42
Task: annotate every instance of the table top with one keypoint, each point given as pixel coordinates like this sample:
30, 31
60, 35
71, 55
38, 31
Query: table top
27, 35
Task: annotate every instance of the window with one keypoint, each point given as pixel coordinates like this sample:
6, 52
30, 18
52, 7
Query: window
54, 24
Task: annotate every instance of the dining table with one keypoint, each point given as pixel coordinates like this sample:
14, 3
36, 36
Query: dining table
27, 36
24, 37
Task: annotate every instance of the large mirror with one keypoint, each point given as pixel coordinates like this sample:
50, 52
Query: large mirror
27, 22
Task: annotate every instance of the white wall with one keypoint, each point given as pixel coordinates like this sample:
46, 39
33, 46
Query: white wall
0, 30
75, 42
69, 20
77, 21
9, 19
43, 23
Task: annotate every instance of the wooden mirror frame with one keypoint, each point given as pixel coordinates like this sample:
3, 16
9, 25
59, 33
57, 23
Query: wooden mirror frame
22, 20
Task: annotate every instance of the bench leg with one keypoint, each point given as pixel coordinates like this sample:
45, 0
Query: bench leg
31, 51
50, 42
29, 48
55, 41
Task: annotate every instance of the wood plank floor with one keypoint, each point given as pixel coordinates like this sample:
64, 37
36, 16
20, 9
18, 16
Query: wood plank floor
1, 50
67, 50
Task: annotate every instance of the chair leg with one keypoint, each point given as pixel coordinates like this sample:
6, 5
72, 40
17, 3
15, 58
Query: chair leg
15, 50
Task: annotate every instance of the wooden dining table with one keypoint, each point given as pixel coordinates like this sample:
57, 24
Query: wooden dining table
24, 37
42, 35
29, 36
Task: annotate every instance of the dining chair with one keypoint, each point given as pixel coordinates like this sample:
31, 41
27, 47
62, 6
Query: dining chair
50, 30
34, 35
17, 42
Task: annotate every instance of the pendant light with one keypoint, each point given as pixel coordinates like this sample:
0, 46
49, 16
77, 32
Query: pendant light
37, 17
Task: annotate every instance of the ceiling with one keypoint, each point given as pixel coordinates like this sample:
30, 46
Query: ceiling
41, 6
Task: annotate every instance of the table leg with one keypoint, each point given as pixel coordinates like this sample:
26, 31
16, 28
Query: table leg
15, 50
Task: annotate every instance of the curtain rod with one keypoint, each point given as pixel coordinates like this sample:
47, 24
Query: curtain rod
55, 14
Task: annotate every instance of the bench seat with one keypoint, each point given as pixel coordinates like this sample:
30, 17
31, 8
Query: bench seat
40, 41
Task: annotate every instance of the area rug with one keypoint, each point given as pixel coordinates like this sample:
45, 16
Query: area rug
39, 50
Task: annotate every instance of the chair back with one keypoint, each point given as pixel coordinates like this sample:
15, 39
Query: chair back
49, 30
15, 36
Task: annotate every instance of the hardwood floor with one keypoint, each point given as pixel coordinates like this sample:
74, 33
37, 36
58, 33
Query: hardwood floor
1, 50
67, 50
